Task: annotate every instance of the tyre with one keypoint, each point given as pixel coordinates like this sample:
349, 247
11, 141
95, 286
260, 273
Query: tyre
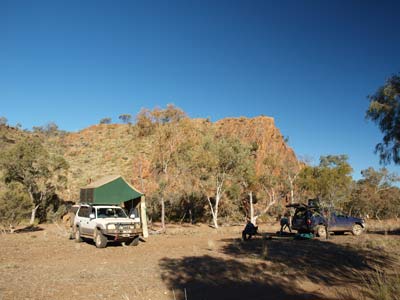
78, 237
135, 241
100, 240
357, 229
321, 231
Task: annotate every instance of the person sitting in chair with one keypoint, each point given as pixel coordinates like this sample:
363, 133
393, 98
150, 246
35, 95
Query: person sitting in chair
249, 231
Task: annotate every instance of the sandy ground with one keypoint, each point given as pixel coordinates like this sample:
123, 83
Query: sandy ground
194, 260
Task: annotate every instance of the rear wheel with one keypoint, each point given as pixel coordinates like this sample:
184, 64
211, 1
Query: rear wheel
357, 229
78, 237
100, 240
321, 231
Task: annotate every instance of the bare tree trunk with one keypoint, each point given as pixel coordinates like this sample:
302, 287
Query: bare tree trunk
214, 213
272, 201
291, 196
291, 183
183, 218
33, 215
34, 210
377, 215
162, 214
252, 218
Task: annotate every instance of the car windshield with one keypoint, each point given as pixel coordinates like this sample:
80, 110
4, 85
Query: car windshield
111, 212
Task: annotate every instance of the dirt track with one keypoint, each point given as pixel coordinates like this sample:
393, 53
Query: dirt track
207, 264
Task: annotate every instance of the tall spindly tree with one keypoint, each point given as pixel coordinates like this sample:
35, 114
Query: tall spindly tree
166, 141
218, 163
384, 110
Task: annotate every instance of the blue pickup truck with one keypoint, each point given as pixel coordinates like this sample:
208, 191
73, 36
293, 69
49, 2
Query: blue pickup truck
310, 218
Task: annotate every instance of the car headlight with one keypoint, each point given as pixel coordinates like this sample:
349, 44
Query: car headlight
111, 226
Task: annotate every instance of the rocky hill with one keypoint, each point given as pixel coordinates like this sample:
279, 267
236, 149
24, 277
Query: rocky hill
107, 149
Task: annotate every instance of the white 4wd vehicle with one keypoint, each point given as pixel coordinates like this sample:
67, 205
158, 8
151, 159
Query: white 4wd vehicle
104, 223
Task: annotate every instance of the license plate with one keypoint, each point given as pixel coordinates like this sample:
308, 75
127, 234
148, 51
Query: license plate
125, 235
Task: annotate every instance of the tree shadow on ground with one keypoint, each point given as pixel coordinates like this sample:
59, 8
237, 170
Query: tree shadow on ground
30, 228
213, 278
319, 261
386, 232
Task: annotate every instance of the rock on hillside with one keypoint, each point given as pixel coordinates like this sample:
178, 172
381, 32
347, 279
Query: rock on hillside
260, 131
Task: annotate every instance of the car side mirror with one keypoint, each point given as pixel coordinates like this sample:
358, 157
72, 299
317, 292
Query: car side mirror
92, 216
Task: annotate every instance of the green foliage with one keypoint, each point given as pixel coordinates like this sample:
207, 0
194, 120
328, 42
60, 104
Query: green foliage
148, 120
126, 118
144, 123
330, 181
375, 195
384, 110
15, 205
105, 120
50, 129
41, 174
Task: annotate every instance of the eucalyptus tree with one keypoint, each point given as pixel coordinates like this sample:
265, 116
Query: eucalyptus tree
167, 138
41, 174
376, 194
384, 110
218, 163
330, 181
105, 120
271, 183
126, 118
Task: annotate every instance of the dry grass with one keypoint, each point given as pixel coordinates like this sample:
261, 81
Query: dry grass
382, 285
384, 226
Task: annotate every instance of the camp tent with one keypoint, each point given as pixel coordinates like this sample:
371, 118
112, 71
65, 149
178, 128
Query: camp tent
115, 190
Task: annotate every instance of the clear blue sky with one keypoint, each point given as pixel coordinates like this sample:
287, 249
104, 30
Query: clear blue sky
308, 64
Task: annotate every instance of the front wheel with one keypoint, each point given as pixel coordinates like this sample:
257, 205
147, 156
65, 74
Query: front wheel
78, 237
100, 240
357, 229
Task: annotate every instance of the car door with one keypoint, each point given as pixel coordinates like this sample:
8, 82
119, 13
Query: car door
333, 225
83, 219
346, 223
338, 221
91, 223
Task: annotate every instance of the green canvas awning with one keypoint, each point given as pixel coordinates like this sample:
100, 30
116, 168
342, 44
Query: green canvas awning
109, 190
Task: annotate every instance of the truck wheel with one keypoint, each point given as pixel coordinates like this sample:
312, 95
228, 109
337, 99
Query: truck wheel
78, 237
100, 240
321, 232
357, 229
135, 241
